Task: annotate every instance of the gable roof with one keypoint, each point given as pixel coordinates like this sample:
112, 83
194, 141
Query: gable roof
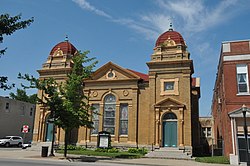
141, 75
109, 65
171, 103
238, 112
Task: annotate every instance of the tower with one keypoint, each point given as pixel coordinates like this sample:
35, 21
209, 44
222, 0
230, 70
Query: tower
170, 85
58, 65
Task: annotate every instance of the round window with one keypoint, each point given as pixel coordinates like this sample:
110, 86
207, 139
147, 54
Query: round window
110, 74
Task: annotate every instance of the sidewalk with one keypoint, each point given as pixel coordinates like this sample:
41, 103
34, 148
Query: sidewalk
28, 154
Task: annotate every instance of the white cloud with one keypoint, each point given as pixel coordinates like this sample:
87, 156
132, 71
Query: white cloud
86, 6
189, 16
195, 16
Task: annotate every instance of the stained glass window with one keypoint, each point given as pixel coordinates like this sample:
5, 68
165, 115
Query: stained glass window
124, 119
109, 114
95, 119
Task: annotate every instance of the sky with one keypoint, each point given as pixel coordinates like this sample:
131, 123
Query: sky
123, 32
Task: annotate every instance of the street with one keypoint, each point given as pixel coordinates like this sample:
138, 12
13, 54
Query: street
35, 162
28, 157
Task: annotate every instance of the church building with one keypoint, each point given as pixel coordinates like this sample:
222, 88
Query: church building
159, 109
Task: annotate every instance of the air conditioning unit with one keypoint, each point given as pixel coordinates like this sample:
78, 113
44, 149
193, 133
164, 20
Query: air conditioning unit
219, 100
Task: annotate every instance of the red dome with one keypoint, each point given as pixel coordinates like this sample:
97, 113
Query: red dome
66, 47
176, 36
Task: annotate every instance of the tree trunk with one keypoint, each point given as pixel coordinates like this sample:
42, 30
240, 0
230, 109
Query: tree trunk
66, 142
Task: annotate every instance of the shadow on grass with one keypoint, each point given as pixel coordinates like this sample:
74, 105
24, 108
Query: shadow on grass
97, 158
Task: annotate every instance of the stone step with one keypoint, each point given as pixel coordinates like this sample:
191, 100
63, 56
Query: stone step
169, 153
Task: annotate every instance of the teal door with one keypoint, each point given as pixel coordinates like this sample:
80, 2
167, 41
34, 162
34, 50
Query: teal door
170, 134
49, 132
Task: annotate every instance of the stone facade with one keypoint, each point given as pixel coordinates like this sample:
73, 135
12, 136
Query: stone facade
157, 109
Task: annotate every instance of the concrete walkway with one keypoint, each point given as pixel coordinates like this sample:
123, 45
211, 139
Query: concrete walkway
28, 154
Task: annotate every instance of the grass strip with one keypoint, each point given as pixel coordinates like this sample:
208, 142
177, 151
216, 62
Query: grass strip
214, 159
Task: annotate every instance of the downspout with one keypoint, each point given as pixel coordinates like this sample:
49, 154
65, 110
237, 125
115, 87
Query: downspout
137, 117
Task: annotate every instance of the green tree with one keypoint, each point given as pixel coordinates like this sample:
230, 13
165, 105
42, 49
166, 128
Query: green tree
22, 96
8, 25
51, 98
68, 105
33, 98
3, 83
77, 110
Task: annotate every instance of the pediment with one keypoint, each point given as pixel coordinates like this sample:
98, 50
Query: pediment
111, 71
169, 103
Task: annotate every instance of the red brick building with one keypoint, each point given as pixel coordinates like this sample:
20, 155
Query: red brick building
231, 91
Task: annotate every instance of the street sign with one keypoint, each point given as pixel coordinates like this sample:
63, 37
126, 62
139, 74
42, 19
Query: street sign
25, 129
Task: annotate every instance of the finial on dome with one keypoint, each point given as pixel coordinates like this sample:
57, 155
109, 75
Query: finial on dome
170, 25
66, 38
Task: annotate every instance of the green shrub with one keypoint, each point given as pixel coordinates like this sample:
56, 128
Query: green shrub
61, 147
113, 150
142, 151
139, 150
132, 150
72, 147
80, 148
101, 150
110, 150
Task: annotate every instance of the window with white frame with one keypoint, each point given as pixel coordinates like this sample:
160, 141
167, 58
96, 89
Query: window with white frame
109, 114
242, 78
123, 119
206, 132
95, 118
169, 86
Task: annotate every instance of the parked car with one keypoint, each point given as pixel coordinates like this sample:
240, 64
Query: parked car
11, 141
26, 145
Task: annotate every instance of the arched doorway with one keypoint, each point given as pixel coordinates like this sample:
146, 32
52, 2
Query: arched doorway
169, 126
49, 130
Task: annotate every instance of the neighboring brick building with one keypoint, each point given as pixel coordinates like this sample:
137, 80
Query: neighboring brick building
159, 108
14, 115
231, 91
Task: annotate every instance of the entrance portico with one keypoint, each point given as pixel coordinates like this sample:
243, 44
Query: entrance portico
169, 123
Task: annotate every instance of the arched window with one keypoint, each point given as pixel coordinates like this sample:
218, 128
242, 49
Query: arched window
109, 114
169, 116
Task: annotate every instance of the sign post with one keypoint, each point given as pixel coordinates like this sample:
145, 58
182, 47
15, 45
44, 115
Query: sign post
25, 130
104, 140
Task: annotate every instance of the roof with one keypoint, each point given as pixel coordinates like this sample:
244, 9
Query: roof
65, 46
239, 112
141, 75
176, 36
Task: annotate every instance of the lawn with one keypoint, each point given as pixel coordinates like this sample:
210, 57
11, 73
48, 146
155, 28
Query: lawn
113, 153
214, 159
